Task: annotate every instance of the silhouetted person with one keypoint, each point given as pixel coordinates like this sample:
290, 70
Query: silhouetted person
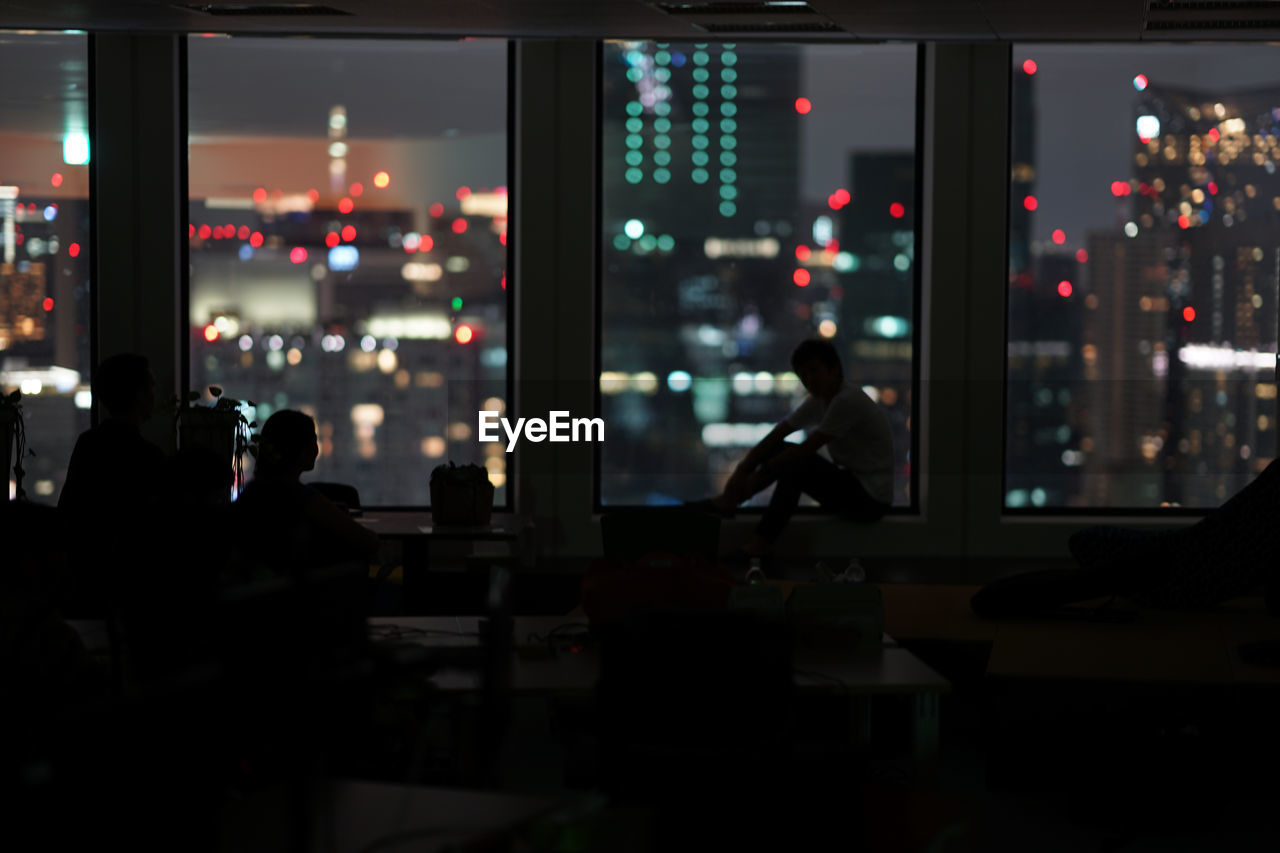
1233, 551
288, 525
113, 480
169, 601
855, 483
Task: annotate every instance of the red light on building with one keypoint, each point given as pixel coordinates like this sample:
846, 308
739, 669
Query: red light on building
463, 192
297, 254
504, 281
803, 253
313, 195
803, 106
1213, 134
1119, 189
842, 196
356, 189
218, 233
74, 250
833, 202
1058, 236
346, 205
382, 180
210, 333
1188, 313
47, 304
502, 238
436, 210
1184, 221
191, 230
1064, 288
242, 233
1213, 188
1029, 67
332, 239
255, 239
260, 195
426, 244
348, 233
1030, 202
801, 278
897, 211
56, 179
463, 334
459, 225
1082, 256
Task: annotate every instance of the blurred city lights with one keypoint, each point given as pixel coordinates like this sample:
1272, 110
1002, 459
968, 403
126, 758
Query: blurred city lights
211, 333
896, 210
463, 334
801, 278
1064, 288
382, 180
1140, 82
298, 254
1029, 67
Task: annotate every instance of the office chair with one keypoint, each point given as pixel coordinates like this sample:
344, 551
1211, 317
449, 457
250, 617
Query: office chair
632, 533
344, 495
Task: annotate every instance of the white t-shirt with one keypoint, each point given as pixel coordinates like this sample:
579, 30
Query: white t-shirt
861, 439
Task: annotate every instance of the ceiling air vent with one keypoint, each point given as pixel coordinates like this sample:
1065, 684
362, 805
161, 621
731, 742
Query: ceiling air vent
771, 16
1211, 16
263, 9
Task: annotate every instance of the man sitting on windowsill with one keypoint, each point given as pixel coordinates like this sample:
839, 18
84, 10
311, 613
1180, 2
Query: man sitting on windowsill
856, 483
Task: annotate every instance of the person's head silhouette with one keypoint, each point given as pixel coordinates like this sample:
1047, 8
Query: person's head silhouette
287, 446
125, 387
817, 363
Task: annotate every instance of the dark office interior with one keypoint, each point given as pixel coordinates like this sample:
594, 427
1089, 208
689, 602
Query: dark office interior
606, 425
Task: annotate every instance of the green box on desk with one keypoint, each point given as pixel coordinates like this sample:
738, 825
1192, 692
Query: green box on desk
836, 615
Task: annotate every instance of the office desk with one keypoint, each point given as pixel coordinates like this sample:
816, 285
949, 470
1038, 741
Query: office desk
415, 531
877, 671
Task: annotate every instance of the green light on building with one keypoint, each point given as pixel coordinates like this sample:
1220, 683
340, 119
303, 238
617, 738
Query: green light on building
728, 92
727, 109
648, 242
662, 125
700, 108
662, 141
662, 108
728, 193
701, 92
634, 108
661, 176
662, 158
621, 242
457, 303
728, 158
728, 208
635, 75
634, 158
662, 75
700, 158
700, 142
635, 125
728, 176
728, 125
634, 176
700, 125
662, 58
634, 140
700, 58
666, 242
699, 176
728, 75
701, 75
728, 143
728, 58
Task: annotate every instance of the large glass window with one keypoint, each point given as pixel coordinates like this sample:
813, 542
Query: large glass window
348, 231
1143, 274
753, 195
44, 248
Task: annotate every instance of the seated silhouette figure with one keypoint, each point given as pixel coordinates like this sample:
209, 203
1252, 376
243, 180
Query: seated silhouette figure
112, 484
1233, 551
285, 525
855, 483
